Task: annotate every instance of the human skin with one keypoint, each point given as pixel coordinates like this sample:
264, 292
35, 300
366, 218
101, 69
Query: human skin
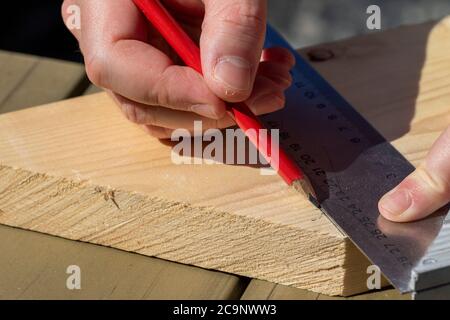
127, 57
425, 190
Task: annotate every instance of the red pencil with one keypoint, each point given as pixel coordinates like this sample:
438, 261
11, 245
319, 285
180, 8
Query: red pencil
189, 52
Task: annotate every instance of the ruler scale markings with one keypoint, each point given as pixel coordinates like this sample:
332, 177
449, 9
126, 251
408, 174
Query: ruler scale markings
351, 166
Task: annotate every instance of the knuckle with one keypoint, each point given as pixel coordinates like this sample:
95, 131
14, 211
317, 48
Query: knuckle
282, 81
152, 131
129, 111
280, 102
243, 19
288, 78
280, 77
136, 114
169, 90
160, 93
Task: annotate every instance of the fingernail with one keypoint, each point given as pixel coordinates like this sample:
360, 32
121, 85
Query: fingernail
267, 103
285, 81
205, 110
234, 72
396, 202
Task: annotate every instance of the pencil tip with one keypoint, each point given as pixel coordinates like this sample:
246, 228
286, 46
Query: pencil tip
305, 187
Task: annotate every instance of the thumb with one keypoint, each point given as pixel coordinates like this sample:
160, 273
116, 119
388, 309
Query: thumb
424, 191
231, 45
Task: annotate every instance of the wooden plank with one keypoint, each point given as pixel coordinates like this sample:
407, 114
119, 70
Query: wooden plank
409, 107
107, 273
108, 183
204, 284
28, 80
152, 221
208, 284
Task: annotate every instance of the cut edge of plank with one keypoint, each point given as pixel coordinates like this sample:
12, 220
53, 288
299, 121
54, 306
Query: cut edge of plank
200, 236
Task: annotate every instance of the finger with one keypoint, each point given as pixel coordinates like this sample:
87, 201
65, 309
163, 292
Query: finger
144, 74
270, 98
164, 117
157, 132
272, 80
166, 133
280, 55
267, 97
118, 58
231, 45
424, 191
276, 64
276, 72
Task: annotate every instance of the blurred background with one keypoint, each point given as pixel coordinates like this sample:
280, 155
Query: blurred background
307, 22
35, 27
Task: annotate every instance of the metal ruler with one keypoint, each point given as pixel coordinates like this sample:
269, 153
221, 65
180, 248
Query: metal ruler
351, 166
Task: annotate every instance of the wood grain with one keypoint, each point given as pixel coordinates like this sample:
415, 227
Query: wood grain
34, 265
79, 171
399, 81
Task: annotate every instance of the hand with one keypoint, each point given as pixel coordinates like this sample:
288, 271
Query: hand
126, 56
424, 191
